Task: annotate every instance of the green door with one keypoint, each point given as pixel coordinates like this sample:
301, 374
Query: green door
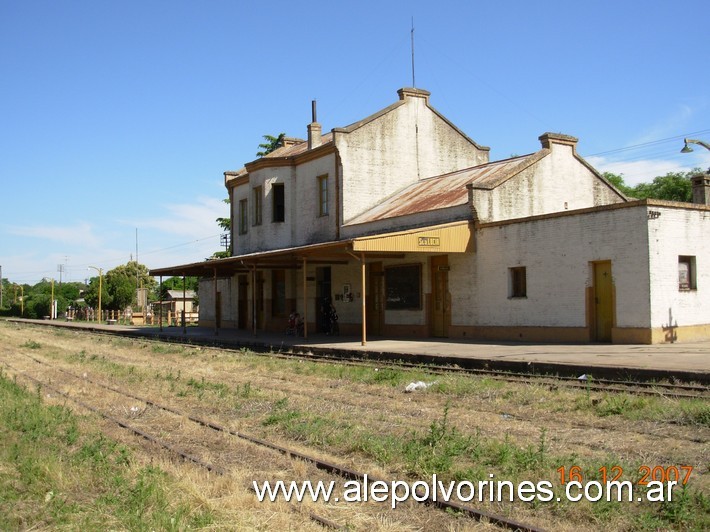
603, 301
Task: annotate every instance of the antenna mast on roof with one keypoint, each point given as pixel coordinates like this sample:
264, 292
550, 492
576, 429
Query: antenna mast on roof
414, 85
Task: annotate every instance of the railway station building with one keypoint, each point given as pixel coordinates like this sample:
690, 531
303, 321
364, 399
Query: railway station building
405, 225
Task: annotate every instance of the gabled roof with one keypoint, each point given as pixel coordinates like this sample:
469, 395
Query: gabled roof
448, 190
296, 150
404, 93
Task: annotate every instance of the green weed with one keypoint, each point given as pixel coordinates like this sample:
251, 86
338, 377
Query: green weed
53, 476
694, 412
202, 385
31, 344
282, 415
435, 450
245, 391
167, 349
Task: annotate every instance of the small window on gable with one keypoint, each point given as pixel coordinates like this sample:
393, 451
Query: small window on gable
279, 214
243, 217
323, 195
518, 282
257, 205
686, 273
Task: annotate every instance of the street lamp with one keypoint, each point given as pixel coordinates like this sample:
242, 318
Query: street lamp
101, 273
22, 299
688, 149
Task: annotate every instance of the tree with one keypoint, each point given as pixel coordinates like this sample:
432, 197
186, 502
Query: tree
119, 286
175, 283
38, 299
618, 181
272, 143
226, 225
674, 186
134, 270
91, 294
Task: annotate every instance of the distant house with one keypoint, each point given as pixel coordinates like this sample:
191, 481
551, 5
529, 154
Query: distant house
179, 301
175, 303
403, 222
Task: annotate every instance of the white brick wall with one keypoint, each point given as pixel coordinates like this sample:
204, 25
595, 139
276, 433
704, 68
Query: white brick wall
308, 226
679, 232
556, 253
302, 224
268, 235
387, 154
556, 183
228, 294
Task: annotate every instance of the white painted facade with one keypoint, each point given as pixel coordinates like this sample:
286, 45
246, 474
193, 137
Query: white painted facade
679, 232
408, 169
404, 143
559, 181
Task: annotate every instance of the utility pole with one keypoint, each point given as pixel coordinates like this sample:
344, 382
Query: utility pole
0, 286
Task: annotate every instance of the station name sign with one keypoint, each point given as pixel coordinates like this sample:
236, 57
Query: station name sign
428, 241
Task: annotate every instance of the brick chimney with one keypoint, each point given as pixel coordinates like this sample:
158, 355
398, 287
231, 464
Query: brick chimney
701, 188
410, 92
548, 139
314, 129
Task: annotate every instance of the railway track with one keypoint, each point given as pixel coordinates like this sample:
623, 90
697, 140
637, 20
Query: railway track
589, 382
292, 454
586, 382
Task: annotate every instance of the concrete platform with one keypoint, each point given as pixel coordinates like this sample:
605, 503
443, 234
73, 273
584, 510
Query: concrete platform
680, 361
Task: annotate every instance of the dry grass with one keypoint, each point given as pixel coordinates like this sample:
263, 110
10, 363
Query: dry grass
362, 418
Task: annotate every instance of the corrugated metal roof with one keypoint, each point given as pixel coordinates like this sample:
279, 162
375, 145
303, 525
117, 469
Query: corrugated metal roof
448, 190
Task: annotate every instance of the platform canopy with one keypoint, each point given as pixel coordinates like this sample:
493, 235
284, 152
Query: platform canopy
456, 237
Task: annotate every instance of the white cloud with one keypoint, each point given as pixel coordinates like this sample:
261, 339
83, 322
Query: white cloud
82, 232
643, 171
655, 151
190, 220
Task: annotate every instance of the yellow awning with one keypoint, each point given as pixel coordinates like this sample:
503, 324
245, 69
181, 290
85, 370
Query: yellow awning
448, 238
456, 237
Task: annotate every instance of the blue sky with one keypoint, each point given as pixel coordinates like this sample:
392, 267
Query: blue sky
120, 117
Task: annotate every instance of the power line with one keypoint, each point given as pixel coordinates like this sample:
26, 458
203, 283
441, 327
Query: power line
30, 275
650, 143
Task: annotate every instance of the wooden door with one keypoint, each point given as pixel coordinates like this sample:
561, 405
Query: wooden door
375, 299
323, 296
243, 302
259, 304
441, 311
603, 302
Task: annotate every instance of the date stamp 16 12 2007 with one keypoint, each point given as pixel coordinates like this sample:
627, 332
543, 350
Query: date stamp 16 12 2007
678, 474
